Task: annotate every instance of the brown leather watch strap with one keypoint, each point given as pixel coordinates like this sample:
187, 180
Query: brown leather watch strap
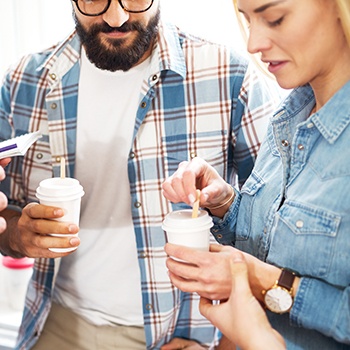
286, 279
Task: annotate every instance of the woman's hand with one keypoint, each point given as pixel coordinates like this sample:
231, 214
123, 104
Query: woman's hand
241, 318
198, 174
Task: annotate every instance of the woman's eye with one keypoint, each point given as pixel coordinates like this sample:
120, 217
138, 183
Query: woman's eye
276, 23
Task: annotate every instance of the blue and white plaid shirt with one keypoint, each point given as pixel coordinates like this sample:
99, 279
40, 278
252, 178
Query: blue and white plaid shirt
201, 99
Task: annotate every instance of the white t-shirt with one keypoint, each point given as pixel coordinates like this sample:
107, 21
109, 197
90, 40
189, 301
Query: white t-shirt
101, 279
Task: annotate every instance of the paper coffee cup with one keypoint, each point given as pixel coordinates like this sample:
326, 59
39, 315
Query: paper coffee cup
64, 193
184, 230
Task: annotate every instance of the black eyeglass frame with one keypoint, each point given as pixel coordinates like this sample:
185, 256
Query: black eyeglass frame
107, 7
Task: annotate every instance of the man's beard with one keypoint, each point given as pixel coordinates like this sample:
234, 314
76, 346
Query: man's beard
115, 55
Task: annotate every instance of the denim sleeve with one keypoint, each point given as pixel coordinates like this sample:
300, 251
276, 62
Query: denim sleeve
331, 318
224, 229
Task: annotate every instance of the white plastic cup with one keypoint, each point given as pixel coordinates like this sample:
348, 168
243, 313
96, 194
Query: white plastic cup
184, 230
17, 274
63, 193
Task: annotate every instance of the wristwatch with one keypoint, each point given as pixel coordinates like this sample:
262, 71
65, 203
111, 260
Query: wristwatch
279, 297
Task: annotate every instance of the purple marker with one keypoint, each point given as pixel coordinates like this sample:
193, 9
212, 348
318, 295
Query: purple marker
7, 148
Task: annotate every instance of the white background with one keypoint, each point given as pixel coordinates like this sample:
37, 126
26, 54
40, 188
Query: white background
32, 25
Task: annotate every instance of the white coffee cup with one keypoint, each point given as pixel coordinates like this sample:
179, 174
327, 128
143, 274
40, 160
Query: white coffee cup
184, 230
63, 193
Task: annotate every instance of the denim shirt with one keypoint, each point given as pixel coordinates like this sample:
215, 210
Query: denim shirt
294, 212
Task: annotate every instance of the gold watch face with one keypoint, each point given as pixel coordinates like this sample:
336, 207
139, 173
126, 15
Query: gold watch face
278, 300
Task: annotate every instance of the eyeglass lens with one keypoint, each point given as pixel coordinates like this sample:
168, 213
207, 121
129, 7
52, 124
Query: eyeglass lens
97, 7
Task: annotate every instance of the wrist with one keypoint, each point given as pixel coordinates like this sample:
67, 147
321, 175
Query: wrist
220, 209
7, 246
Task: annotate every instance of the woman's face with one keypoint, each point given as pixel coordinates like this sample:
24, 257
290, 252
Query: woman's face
299, 40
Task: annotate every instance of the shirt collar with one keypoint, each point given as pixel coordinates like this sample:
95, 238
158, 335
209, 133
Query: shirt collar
331, 120
334, 117
167, 53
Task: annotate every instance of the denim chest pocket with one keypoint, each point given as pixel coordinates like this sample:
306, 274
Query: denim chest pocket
305, 238
249, 191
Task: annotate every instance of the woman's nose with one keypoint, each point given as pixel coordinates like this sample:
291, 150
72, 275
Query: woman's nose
258, 40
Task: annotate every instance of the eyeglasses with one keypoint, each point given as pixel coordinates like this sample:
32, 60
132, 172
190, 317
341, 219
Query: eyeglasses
99, 7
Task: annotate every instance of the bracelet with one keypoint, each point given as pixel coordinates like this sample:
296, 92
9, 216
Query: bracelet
225, 203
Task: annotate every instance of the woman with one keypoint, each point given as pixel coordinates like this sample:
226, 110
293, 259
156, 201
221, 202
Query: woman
291, 217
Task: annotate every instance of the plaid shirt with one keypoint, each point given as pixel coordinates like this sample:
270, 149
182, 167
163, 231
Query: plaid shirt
201, 99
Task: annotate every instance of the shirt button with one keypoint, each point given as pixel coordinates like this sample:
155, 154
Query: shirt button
132, 155
310, 125
58, 159
53, 76
193, 155
137, 204
299, 224
154, 78
143, 105
285, 143
53, 105
143, 255
39, 156
219, 236
149, 306
300, 147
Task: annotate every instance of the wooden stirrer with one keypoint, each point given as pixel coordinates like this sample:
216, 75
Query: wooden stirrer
196, 205
63, 168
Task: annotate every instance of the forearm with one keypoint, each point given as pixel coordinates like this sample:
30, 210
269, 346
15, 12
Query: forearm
322, 307
7, 245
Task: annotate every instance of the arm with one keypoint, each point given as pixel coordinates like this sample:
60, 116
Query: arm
27, 232
3, 198
208, 273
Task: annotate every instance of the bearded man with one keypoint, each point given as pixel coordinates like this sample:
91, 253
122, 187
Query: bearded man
124, 99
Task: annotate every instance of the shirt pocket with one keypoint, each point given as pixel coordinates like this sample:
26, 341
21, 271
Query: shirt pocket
250, 191
212, 147
305, 238
38, 163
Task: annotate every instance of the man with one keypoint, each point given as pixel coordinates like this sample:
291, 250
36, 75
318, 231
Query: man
3, 199
124, 100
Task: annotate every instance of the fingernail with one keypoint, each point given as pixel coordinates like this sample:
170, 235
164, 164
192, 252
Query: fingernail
58, 212
72, 228
191, 198
74, 241
205, 195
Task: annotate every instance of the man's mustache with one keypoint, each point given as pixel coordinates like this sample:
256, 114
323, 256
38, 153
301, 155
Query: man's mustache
126, 27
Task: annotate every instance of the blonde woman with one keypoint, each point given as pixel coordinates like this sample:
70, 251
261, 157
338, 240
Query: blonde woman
291, 218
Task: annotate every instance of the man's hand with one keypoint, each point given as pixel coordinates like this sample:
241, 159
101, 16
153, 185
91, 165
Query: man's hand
28, 232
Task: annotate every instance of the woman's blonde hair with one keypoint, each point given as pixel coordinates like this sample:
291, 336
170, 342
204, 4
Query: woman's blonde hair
344, 14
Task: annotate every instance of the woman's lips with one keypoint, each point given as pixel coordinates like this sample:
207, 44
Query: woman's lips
274, 66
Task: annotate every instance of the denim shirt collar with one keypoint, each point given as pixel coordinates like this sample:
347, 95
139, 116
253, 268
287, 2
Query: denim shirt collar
331, 120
